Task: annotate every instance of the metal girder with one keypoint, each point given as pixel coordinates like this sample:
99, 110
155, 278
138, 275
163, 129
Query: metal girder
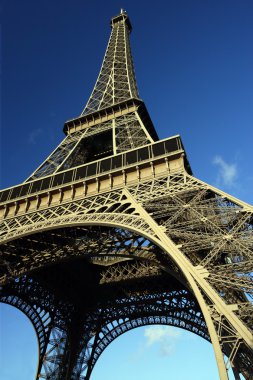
207, 227
76, 337
116, 84
147, 245
116, 81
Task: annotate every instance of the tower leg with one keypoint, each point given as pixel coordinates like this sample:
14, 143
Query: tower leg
53, 363
168, 246
84, 364
63, 348
74, 359
212, 331
90, 367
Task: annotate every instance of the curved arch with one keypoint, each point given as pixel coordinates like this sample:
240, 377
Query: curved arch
157, 352
165, 309
39, 318
130, 222
152, 232
83, 246
129, 325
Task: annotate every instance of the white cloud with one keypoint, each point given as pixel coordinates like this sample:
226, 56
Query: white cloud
227, 174
165, 337
34, 135
156, 334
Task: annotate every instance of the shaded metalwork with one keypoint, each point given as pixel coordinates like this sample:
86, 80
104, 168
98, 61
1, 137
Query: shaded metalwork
77, 332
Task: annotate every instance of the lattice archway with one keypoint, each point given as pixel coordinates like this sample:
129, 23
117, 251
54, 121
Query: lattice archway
97, 240
39, 318
134, 258
143, 257
112, 330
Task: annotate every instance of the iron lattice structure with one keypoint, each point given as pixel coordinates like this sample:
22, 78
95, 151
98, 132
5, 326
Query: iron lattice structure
113, 232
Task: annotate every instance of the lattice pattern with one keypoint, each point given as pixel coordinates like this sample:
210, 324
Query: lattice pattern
175, 308
211, 229
115, 84
238, 354
82, 151
116, 81
110, 208
66, 154
129, 271
215, 232
54, 360
59, 155
112, 315
102, 246
129, 133
199, 247
39, 317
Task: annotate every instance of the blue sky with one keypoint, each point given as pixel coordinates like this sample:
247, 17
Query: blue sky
193, 61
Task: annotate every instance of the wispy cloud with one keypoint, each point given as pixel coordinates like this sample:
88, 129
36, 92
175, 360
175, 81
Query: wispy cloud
165, 337
227, 173
34, 135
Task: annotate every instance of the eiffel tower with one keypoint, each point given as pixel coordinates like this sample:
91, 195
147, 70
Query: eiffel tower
113, 231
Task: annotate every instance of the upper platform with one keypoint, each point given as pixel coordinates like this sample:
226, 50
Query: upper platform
122, 17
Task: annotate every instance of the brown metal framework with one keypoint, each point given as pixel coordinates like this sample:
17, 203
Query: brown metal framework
113, 232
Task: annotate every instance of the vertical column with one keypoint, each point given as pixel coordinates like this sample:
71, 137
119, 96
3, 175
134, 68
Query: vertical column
53, 364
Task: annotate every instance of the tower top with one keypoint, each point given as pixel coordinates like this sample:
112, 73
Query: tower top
116, 81
123, 16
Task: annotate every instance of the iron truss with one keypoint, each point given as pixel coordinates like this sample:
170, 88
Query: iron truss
128, 131
67, 154
211, 230
145, 244
116, 81
116, 84
76, 335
